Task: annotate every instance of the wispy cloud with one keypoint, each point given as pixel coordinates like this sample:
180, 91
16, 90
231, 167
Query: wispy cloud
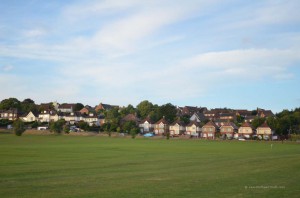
7, 68
34, 33
257, 63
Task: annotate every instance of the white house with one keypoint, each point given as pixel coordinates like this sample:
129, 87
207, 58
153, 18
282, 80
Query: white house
29, 117
44, 116
193, 129
91, 119
146, 126
177, 128
73, 117
66, 108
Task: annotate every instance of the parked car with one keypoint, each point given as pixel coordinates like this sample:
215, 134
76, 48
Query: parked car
148, 135
40, 128
241, 139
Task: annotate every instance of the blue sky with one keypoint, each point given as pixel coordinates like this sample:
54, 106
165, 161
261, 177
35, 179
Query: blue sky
235, 54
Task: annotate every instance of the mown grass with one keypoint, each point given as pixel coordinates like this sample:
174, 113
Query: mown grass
77, 166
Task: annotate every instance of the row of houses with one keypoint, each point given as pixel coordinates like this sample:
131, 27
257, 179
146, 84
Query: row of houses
72, 118
54, 111
194, 128
207, 131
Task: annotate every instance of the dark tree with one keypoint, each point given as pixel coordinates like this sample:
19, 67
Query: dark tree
185, 119
83, 125
127, 126
144, 108
257, 122
169, 111
9, 103
18, 127
57, 126
127, 110
78, 107
28, 105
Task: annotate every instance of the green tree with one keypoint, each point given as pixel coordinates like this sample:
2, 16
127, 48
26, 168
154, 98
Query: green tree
169, 111
18, 127
284, 125
144, 108
28, 105
112, 116
254, 112
113, 127
133, 132
9, 103
66, 129
105, 127
78, 107
119, 129
155, 114
127, 110
257, 122
5, 122
127, 126
57, 126
185, 119
83, 125
240, 119
35, 124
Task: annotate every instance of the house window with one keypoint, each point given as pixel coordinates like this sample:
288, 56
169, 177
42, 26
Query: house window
210, 129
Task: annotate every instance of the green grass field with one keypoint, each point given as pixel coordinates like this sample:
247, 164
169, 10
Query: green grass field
76, 166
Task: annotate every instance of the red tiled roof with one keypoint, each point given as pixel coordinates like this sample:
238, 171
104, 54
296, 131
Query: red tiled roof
210, 123
66, 106
162, 121
148, 120
226, 124
193, 122
178, 122
247, 124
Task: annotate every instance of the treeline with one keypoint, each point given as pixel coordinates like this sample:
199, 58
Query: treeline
28, 105
283, 123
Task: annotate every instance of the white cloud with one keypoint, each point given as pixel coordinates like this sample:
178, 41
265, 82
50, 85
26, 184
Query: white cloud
132, 30
34, 33
251, 63
7, 68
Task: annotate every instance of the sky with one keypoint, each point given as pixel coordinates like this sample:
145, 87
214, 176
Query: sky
214, 53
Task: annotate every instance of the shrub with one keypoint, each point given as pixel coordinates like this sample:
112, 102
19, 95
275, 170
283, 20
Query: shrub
18, 127
57, 127
133, 132
295, 137
66, 129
